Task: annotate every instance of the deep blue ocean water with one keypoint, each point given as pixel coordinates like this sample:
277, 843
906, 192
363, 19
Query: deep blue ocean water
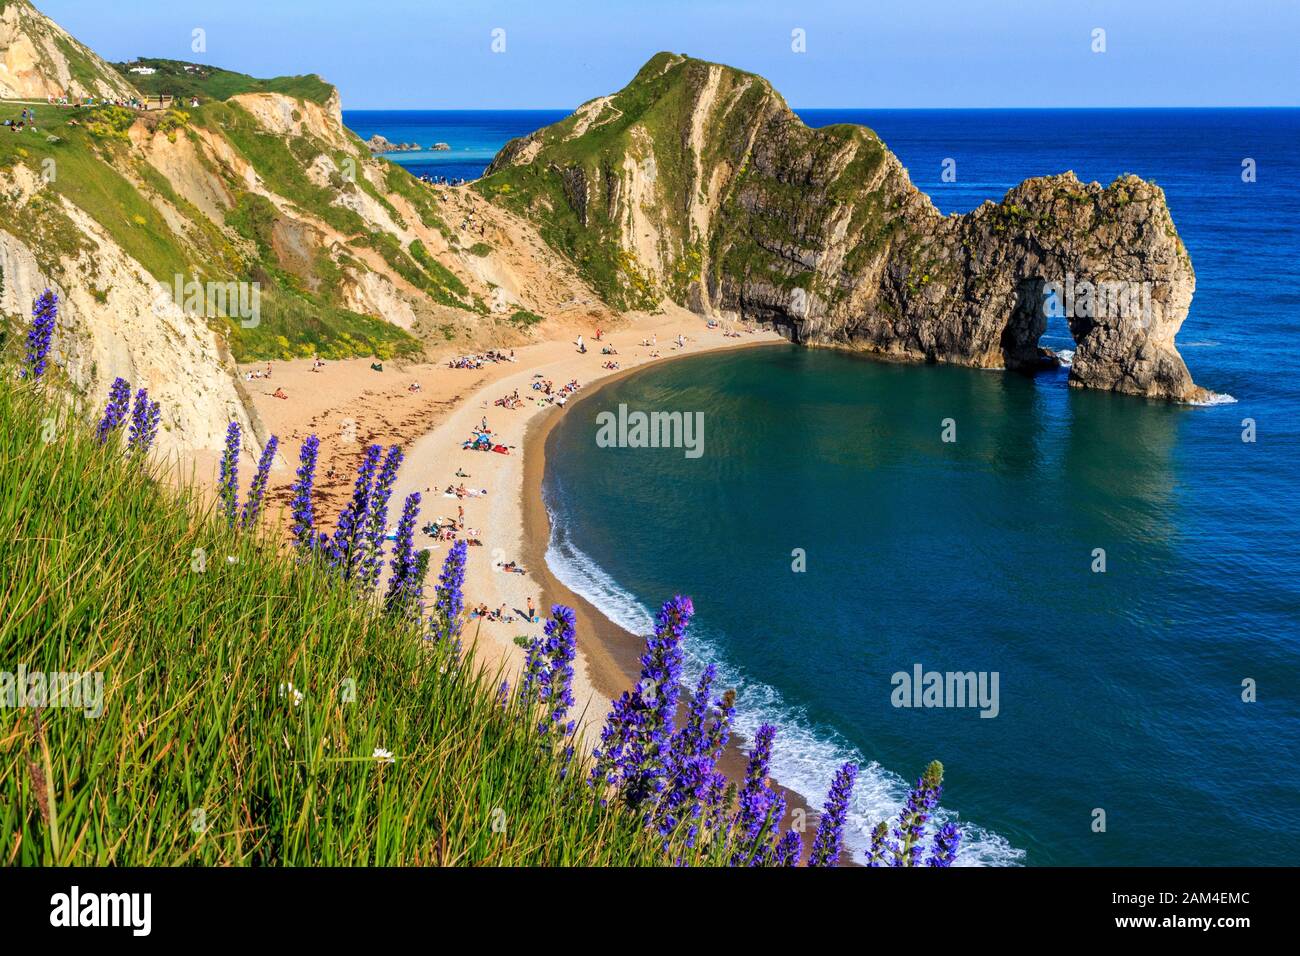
1119, 691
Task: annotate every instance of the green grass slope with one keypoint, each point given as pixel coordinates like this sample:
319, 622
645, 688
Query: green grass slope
777, 184
181, 79
98, 171
200, 755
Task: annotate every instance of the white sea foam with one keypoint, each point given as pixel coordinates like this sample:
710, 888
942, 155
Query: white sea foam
806, 755
1066, 357
1215, 398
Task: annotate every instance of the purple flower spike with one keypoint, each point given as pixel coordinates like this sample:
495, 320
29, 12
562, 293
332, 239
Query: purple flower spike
788, 849
695, 751
548, 672
44, 316
304, 522
761, 807
228, 483
257, 490
449, 601
635, 752
404, 587
902, 846
829, 839
348, 542
377, 521
144, 425
946, 842
119, 395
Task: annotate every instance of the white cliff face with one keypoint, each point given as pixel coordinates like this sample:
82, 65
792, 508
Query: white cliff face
38, 59
401, 252
287, 116
113, 322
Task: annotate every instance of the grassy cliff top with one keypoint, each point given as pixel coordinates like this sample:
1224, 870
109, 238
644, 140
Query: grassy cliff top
224, 735
178, 78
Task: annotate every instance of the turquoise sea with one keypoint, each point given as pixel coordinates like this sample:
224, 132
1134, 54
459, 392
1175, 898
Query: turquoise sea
1118, 691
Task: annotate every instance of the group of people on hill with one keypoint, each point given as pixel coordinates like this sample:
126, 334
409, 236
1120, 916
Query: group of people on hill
26, 120
442, 180
131, 103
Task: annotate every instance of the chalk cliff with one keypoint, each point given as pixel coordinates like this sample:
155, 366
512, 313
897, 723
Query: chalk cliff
38, 59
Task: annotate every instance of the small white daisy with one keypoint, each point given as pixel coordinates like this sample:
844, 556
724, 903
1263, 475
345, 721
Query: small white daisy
288, 690
383, 756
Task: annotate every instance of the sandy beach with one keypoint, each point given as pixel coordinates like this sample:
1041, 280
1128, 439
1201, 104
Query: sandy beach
348, 405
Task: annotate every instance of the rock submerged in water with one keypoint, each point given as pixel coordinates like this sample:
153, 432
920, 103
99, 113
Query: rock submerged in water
380, 144
697, 182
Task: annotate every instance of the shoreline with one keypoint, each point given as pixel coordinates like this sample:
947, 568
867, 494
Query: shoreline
614, 661
509, 517
612, 652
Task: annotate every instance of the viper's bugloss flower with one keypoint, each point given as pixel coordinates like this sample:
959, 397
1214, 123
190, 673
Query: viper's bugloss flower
228, 482
347, 543
760, 807
402, 597
946, 841
372, 534
119, 396
548, 670
144, 425
788, 849
300, 505
449, 598
45, 314
695, 751
635, 753
903, 844
257, 490
829, 838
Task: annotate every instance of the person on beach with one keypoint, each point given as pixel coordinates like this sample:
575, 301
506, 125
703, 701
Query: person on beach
460, 517
532, 614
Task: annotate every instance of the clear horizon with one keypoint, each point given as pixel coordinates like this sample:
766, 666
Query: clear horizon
1010, 55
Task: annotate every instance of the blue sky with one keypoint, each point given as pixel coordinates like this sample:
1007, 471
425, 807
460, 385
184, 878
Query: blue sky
412, 54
